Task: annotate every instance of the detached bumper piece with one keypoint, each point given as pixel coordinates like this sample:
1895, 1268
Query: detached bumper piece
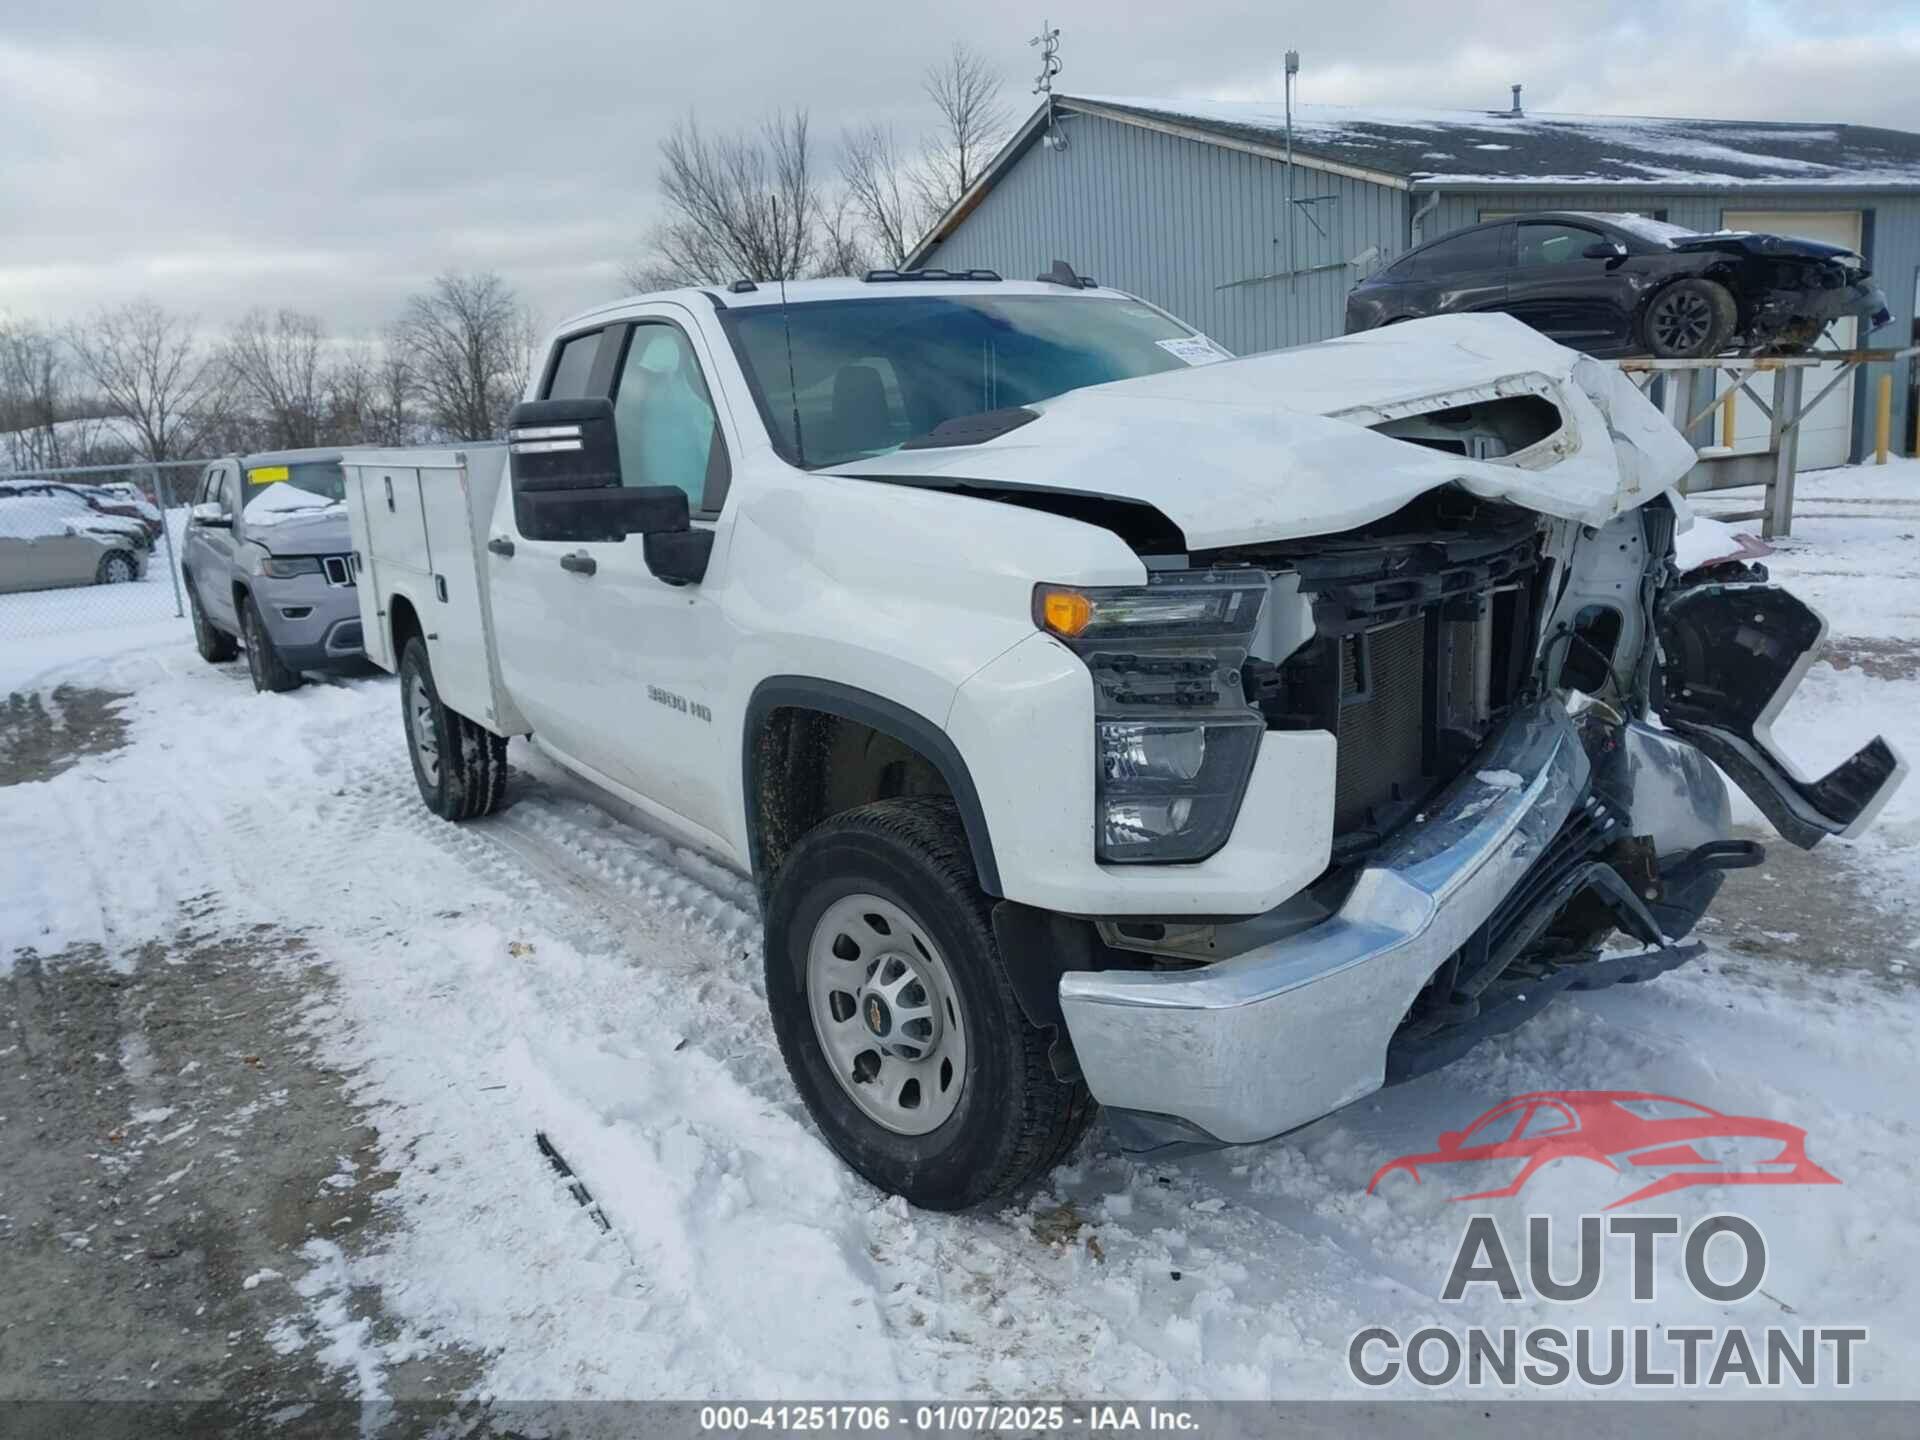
1271, 1039
1732, 656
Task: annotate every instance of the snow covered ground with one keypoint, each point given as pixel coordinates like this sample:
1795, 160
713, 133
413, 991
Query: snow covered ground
555, 969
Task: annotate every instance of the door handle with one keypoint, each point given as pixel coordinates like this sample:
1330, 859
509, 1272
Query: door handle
580, 564
500, 545
389, 480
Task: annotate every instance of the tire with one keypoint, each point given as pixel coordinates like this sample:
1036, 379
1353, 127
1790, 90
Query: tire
1689, 320
264, 664
1008, 1120
116, 567
460, 767
214, 644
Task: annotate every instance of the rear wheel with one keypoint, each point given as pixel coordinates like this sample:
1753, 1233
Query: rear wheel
264, 664
1689, 320
116, 568
461, 767
896, 1017
213, 643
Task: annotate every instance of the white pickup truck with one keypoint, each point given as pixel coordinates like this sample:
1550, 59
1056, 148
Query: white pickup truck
1102, 718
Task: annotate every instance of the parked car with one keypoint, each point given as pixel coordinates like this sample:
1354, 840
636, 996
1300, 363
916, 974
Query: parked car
72, 505
115, 501
1100, 724
44, 550
267, 567
1623, 284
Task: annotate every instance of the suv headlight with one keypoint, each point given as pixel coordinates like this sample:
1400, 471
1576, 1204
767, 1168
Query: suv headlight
285, 567
1174, 736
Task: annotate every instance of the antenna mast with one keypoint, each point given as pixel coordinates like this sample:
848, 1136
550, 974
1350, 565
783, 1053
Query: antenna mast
786, 327
1048, 42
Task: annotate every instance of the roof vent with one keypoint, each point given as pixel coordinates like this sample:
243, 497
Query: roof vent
1516, 110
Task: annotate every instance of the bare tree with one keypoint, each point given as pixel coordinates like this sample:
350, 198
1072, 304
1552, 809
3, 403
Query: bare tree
37, 400
279, 370
352, 395
393, 400
966, 93
465, 343
154, 372
881, 192
743, 205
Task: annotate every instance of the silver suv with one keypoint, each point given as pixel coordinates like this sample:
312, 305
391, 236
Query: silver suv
267, 564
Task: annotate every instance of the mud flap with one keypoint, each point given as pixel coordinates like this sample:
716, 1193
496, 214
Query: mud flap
1731, 658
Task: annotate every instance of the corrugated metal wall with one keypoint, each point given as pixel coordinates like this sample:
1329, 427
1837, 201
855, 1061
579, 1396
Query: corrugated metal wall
1177, 222
1895, 257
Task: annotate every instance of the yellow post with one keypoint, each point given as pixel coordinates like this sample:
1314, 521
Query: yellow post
1883, 421
1726, 415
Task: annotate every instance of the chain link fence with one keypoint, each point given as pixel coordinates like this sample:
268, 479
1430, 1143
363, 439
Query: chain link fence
94, 546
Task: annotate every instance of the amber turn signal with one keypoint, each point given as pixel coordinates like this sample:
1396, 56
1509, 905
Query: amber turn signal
1064, 612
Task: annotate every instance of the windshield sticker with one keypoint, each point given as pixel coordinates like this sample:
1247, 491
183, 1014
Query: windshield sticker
266, 474
1194, 349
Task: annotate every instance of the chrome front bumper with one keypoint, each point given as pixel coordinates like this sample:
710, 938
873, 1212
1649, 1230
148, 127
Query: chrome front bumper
1253, 1046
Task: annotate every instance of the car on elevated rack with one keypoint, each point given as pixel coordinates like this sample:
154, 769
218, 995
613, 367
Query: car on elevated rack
1627, 285
267, 566
1102, 718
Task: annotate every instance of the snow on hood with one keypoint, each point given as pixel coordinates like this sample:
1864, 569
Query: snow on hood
1276, 446
290, 521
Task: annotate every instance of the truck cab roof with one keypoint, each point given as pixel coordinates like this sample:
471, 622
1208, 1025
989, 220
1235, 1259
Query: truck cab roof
767, 293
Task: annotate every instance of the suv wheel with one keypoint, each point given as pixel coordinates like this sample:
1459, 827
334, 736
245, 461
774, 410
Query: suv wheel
461, 767
1689, 320
264, 664
214, 644
896, 1018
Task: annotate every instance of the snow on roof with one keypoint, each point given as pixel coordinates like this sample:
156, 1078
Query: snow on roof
1491, 147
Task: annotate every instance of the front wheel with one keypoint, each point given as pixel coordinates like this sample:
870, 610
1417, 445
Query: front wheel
116, 567
1690, 320
461, 767
268, 671
896, 1017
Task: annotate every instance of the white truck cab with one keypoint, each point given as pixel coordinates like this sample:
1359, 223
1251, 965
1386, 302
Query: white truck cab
1102, 718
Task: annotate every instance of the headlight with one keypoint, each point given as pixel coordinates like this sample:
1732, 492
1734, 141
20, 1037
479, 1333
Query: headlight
285, 567
1174, 736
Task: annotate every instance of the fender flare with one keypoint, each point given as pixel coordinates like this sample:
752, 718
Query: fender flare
804, 692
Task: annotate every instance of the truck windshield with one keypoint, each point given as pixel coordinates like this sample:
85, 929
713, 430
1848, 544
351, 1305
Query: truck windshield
873, 374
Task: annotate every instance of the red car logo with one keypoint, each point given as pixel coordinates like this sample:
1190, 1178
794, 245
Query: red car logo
1624, 1130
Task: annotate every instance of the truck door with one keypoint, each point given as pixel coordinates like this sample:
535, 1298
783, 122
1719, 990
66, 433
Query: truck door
210, 547
636, 665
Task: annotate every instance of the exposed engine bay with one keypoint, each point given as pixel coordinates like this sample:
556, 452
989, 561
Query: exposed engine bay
1415, 638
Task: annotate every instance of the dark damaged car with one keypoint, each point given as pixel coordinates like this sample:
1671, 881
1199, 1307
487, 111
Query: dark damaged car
1626, 285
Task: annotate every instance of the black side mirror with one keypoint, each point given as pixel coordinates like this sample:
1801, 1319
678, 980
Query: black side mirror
679, 557
1605, 250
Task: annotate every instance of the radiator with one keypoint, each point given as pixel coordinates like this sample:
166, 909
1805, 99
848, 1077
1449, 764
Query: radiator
1382, 721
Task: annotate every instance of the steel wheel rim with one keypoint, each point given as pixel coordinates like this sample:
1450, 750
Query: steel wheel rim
886, 1014
426, 748
1682, 321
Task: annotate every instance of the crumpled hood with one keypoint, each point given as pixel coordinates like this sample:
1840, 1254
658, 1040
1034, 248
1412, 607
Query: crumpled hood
1275, 446
325, 532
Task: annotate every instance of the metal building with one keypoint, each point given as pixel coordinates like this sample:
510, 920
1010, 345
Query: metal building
1193, 205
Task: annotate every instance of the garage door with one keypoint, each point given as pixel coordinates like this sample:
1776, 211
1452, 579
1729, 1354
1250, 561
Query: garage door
1826, 435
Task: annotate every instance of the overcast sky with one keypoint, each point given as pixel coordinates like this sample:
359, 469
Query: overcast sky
220, 154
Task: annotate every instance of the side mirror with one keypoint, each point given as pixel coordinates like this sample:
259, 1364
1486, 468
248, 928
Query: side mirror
208, 515
1605, 250
563, 445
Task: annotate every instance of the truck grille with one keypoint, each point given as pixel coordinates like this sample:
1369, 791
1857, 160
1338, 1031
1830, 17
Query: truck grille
1382, 731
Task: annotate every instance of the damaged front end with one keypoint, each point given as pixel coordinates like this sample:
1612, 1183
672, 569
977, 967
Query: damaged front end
1790, 290
1508, 811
